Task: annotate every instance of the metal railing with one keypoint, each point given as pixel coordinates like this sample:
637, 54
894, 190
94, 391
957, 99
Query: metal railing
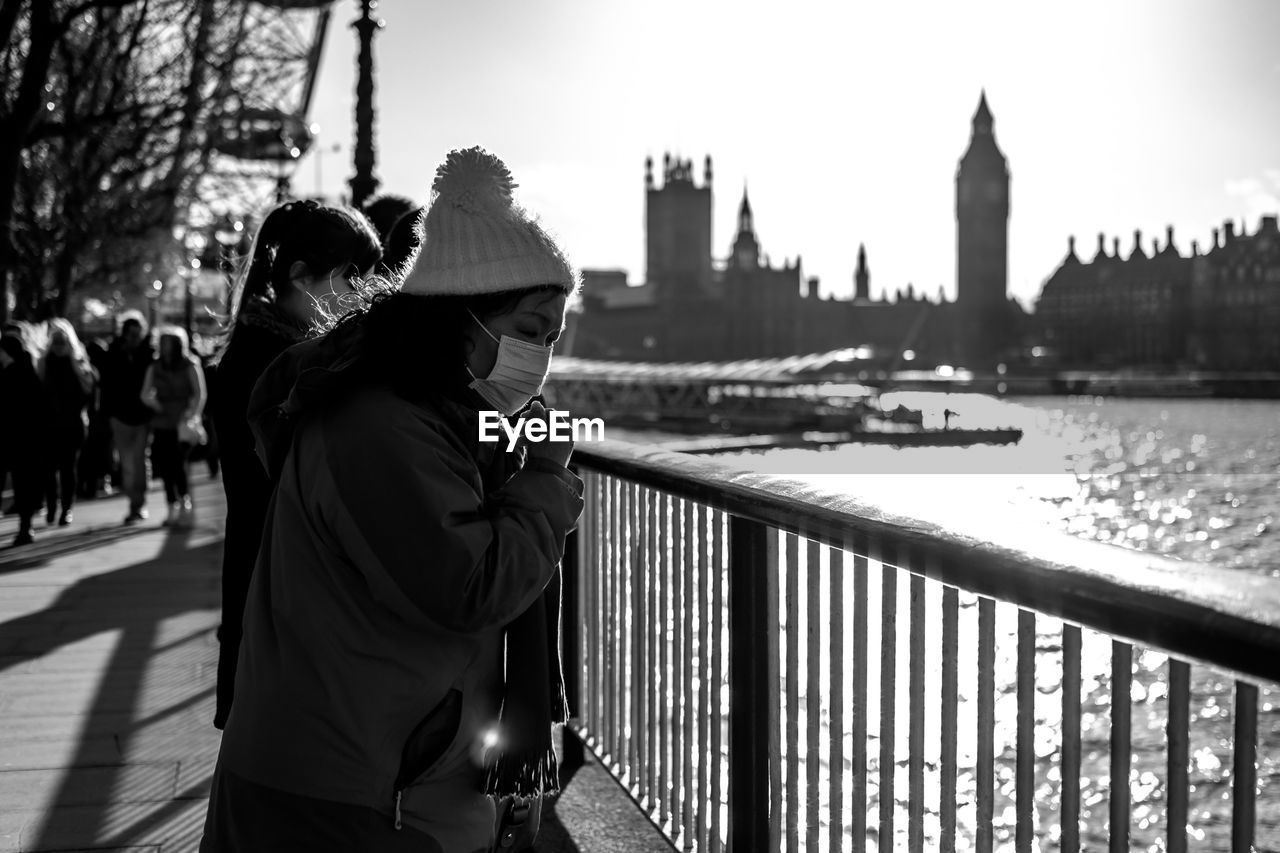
736, 646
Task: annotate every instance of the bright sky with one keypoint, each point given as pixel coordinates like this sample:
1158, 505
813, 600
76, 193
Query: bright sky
846, 118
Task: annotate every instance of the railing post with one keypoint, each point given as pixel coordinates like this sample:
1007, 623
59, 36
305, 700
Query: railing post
748, 686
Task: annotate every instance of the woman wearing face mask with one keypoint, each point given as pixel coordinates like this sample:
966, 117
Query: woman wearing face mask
69, 380
303, 258
404, 557
174, 389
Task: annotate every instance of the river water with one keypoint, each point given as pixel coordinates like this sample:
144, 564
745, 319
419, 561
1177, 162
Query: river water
1197, 480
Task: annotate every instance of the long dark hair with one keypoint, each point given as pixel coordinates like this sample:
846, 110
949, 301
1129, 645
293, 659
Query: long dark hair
322, 237
414, 344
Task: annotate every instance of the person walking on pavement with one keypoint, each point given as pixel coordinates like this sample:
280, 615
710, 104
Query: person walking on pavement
96, 464
400, 673
173, 388
301, 254
24, 430
69, 381
124, 369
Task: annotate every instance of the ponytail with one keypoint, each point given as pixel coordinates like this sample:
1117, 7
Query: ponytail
321, 237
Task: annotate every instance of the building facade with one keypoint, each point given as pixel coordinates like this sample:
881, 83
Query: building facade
1219, 310
1235, 301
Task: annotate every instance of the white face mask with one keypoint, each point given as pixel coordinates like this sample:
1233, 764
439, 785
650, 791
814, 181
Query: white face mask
517, 376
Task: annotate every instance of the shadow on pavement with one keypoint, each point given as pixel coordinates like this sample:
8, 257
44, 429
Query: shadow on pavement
137, 601
51, 546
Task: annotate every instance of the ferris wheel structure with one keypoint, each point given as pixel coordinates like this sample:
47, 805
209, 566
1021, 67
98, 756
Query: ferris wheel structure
266, 88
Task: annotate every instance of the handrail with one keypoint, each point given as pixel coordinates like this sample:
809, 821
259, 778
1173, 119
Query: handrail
1223, 618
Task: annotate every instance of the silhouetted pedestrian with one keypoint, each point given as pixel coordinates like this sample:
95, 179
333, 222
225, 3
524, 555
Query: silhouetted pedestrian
393, 216
24, 430
96, 465
301, 253
401, 246
69, 381
174, 389
384, 211
123, 372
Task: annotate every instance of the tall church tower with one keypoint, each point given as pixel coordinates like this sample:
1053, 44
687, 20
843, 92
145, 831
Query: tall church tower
862, 277
678, 230
746, 248
982, 245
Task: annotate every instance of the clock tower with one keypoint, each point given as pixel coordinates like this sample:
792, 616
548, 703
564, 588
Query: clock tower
982, 246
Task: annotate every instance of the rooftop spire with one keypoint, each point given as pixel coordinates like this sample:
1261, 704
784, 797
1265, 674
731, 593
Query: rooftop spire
746, 248
862, 276
982, 119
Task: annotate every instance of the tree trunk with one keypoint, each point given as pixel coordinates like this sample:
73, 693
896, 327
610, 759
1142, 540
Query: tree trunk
15, 127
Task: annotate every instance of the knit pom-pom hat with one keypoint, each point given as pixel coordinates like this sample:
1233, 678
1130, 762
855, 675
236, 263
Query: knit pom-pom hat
476, 239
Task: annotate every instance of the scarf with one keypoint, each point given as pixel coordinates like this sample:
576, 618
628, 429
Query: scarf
261, 314
533, 698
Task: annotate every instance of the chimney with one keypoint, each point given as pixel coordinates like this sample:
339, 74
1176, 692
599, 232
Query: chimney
1195, 248
1071, 245
1216, 242
813, 288
1115, 246
1168, 236
1268, 223
1230, 228
1102, 245
1137, 241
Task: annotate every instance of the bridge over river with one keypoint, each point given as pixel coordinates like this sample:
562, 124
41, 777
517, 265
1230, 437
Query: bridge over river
768, 395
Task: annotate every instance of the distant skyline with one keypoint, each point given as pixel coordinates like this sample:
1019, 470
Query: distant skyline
847, 120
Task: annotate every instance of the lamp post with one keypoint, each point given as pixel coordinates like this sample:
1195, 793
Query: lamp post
364, 184
229, 231
194, 241
153, 298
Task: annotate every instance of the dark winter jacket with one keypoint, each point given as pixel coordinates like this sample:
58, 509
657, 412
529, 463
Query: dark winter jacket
253, 346
68, 398
123, 373
246, 356
397, 550
27, 420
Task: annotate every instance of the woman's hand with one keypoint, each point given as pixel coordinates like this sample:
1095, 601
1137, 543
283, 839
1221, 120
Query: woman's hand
551, 451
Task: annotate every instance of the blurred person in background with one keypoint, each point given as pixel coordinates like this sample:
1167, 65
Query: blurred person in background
24, 429
96, 464
212, 451
400, 674
69, 381
304, 256
173, 388
123, 371
402, 246
394, 217
384, 211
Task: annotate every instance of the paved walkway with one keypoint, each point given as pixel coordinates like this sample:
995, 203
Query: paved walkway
107, 663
